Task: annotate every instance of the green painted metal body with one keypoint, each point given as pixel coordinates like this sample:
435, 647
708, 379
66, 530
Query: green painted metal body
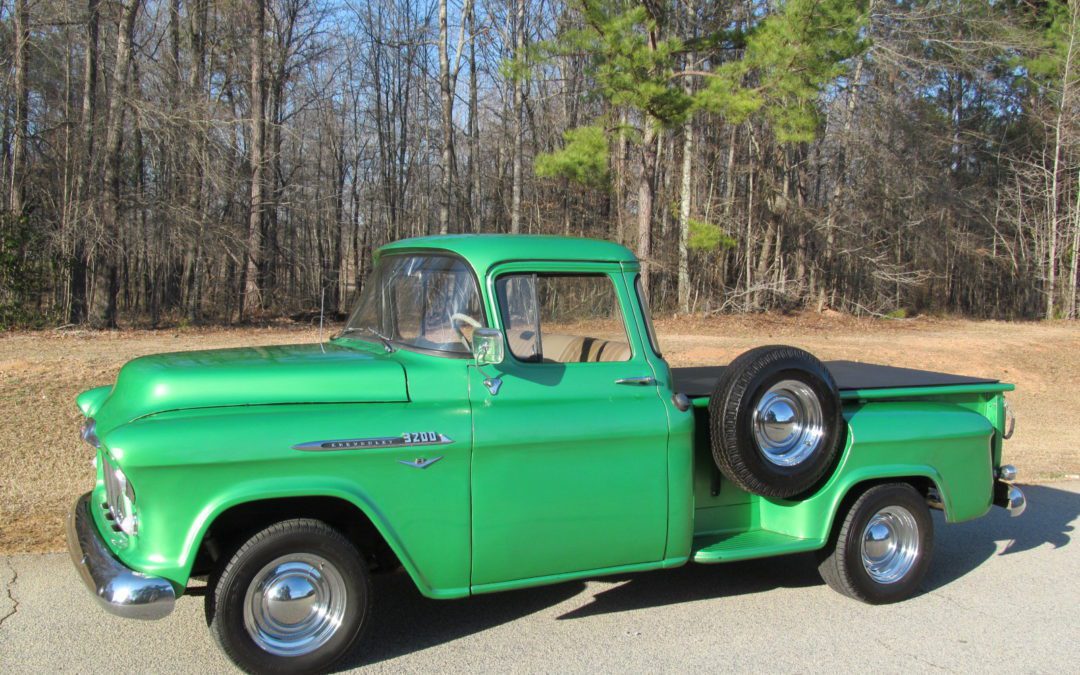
563, 474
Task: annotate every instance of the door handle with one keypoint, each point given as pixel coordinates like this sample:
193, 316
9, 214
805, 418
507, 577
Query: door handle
640, 381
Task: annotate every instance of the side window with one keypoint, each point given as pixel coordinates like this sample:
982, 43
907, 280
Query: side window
562, 318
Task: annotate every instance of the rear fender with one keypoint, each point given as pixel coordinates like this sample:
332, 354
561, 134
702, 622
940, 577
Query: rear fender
939, 442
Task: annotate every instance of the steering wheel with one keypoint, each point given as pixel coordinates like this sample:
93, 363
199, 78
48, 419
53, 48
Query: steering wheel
464, 318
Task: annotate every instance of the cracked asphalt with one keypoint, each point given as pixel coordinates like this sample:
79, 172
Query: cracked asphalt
1002, 595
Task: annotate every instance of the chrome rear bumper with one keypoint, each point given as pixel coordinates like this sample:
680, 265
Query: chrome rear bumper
1009, 497
120, 590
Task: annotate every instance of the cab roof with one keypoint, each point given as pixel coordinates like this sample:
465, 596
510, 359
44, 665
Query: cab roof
484, 250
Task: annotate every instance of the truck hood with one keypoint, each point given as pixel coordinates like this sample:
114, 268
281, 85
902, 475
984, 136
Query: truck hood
309, 373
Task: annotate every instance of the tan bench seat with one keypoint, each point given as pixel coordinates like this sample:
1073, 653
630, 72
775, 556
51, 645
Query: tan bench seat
561, 348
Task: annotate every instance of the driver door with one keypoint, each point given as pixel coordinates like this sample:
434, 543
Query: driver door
569, 465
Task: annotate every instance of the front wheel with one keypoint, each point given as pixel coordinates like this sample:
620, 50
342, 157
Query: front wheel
882, 550
294, 598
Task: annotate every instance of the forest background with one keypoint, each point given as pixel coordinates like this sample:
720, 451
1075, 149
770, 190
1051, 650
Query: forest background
171, 162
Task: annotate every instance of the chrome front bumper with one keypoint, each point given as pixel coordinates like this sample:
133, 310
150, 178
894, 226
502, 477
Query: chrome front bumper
120, 590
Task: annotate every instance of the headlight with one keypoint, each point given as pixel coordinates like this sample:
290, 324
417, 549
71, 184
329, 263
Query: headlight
120, 497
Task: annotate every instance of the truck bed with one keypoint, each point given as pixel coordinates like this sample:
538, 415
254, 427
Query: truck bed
699, 381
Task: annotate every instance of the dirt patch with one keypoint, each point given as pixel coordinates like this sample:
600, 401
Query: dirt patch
46, 466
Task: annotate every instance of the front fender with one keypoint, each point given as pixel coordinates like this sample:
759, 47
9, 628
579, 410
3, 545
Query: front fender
322, 486
189, 467
90, 400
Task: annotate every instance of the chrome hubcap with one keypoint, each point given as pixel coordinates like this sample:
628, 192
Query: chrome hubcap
890, 544
788, 423
295, 604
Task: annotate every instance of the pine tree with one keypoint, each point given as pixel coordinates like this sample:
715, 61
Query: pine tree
783, 62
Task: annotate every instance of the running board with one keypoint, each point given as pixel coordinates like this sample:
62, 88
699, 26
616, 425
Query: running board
729, 546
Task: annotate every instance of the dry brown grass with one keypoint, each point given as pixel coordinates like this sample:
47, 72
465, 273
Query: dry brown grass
45, 466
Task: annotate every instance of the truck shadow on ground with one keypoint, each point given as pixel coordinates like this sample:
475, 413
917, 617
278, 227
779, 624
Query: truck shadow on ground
960, 548
408, 622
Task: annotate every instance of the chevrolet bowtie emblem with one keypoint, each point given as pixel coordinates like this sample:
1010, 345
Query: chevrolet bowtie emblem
419, 462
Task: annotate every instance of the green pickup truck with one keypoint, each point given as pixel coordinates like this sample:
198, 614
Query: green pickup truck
497, 414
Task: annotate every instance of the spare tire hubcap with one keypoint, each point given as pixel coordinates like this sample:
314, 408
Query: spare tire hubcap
788, 423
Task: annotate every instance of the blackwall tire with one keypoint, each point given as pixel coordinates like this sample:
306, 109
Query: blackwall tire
882, 549
776, 422
294, 598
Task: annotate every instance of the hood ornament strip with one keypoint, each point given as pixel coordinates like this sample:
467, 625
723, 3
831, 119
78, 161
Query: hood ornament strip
405, 440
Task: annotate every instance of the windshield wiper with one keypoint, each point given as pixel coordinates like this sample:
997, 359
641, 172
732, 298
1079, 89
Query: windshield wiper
387, 342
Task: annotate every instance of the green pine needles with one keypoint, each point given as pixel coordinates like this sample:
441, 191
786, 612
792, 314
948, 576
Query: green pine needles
777, 67
583, 159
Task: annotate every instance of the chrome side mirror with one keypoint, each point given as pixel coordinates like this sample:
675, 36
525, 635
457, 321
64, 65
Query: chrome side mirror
487, 344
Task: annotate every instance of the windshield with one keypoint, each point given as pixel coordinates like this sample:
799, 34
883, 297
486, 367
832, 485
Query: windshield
422, 301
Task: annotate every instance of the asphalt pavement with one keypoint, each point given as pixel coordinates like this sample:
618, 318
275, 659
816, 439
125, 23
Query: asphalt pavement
1003, 594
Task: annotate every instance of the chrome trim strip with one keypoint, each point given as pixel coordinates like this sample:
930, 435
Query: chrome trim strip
119, 589
405, 440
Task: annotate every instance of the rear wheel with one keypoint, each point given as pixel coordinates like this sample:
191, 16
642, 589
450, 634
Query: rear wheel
296, 597
882, 549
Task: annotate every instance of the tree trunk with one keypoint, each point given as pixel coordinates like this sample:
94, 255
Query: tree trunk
107, 280
684, 216
646, 192
1055, 182
519, 122
251, 298
447, 94
729, 175
475, 196
1074, 273
748, 243
84, 177
836, 200
197, 184
22, 105
621, 149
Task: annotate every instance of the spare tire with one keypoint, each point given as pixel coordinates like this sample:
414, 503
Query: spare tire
775, 421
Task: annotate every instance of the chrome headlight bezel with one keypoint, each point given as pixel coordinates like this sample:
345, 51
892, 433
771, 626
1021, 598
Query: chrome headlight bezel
89, 433
127, 520
120, 497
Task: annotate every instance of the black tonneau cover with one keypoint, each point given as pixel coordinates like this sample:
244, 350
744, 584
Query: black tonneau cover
699, 380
